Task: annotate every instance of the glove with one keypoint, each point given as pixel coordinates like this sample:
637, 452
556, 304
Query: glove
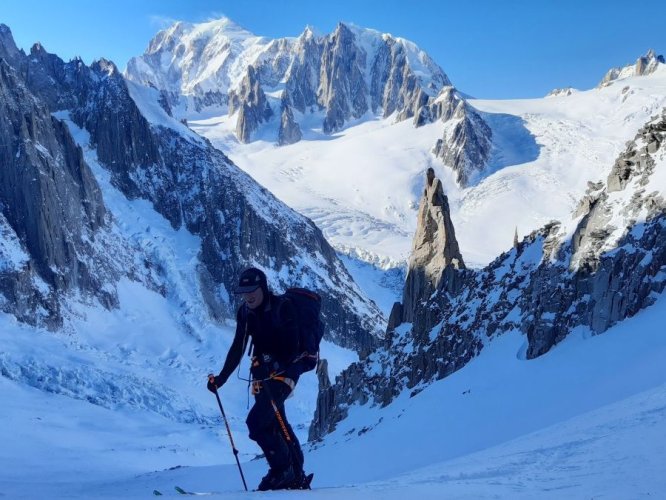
214, 383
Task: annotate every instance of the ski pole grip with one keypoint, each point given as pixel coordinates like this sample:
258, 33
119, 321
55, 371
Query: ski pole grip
211, 383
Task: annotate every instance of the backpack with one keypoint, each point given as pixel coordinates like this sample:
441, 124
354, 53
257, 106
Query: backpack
307, 305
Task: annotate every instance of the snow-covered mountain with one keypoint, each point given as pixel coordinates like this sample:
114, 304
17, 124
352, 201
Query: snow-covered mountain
193, 186
123, 233
123, 230
291, 88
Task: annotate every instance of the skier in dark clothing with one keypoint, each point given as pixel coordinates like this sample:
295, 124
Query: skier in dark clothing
270, 325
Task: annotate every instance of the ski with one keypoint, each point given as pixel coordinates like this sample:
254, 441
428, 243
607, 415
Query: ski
196, 493
305, 485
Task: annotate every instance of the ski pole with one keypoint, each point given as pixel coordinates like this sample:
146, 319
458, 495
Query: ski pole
224, 417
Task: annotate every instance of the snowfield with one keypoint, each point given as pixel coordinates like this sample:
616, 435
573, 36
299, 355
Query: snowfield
587, 420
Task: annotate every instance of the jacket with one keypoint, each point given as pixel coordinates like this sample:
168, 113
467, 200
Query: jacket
272, 329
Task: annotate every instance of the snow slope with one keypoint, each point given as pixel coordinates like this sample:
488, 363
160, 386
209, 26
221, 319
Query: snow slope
586, 420
361, 186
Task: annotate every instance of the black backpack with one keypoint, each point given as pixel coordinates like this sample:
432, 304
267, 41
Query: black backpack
307, 305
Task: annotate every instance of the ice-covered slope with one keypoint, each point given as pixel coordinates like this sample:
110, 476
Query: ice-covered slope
362, 185
532, 429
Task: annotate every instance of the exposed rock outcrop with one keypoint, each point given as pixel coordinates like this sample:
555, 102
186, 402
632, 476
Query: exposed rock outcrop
290, 132
342, 90
303, 75
252, 105
51, 203
467, 141
435, 257
564, 92
644, 65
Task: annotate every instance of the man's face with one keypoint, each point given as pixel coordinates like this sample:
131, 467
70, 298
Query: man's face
254, 299
430, 175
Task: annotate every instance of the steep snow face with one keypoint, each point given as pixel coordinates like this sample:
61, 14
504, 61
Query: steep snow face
547, 150
501, 426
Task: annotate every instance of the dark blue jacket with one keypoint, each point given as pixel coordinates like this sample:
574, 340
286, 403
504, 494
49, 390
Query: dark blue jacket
273, 329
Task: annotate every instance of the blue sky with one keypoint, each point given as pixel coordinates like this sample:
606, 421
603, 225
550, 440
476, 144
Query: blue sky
489, 49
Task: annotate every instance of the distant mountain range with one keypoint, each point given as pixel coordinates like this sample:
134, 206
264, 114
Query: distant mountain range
294, 84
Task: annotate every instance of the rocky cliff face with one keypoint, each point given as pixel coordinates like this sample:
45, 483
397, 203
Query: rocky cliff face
338, 77
289, 132
253, 108
603, 266
52, 211
467, 140
342, 90
187, 181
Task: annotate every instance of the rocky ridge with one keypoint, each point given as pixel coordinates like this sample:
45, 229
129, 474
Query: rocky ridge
603, 266
563, 92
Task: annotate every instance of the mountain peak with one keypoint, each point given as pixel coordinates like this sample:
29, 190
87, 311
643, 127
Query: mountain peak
308, 33
8, 48
644, 65
106, 67
204, 66
222, 26
38, 48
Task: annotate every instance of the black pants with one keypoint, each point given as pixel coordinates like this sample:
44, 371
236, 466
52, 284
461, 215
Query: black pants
266, 430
